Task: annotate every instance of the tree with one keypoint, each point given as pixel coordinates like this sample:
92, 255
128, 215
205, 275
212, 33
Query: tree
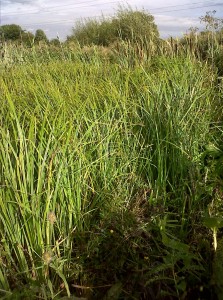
11, 32
136, 26
40, 36
127, 25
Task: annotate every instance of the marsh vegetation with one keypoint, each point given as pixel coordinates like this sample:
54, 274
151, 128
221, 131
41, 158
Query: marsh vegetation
111, 163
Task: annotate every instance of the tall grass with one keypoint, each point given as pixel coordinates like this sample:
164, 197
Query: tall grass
82, 142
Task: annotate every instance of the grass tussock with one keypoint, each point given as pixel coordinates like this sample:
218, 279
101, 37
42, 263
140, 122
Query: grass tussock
107, 170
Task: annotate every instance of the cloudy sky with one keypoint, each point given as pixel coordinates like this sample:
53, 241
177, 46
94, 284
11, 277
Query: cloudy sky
57, 17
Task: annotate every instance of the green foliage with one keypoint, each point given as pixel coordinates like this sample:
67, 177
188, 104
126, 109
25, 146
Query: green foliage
207, 45
27, 38
93, 32
10, 32
127, 24
112, 169
136, 26
40, 36
15, 33
55, 42
88, 166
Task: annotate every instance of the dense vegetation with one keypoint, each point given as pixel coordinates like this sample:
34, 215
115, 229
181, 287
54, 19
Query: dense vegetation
15, 33
126, 25
111, 163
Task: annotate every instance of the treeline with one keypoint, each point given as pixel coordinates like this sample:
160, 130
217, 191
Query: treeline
126, 25
136, 28
15, 33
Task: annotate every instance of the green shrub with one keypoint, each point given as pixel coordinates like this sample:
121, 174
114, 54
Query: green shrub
127, 24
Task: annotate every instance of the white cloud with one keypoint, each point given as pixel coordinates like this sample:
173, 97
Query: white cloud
170, 25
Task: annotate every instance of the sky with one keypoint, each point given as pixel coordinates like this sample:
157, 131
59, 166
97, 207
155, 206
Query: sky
57, 17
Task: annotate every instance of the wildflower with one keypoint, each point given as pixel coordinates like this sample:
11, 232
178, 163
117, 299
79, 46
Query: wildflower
111, 231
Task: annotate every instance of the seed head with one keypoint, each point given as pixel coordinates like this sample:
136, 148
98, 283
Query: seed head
47, 257
52, 217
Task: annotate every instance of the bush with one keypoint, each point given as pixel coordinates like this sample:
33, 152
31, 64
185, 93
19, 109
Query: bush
11, 32
136, 26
